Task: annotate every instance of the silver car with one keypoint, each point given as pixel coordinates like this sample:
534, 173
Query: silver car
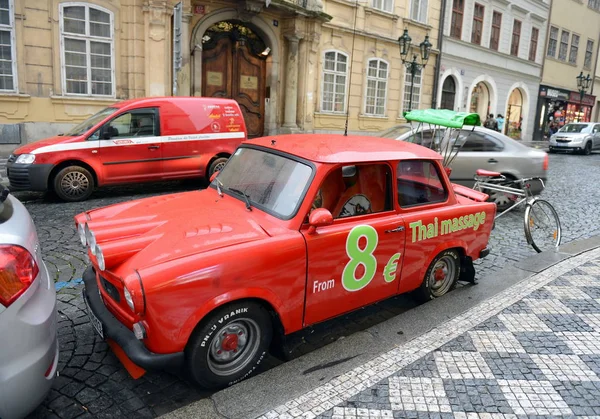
582, 137
481, 148
28, 338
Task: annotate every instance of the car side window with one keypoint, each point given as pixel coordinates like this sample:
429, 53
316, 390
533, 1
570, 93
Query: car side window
138, 123
425, 138
353, 190
419, 183
476, 141
596, 129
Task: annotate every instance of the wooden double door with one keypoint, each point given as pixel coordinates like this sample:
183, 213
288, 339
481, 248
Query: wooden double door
231, 70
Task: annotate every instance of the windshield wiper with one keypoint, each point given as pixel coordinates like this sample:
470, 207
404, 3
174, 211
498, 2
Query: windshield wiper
219, 186
245, 195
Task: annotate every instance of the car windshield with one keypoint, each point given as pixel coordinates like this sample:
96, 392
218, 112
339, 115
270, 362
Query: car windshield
575, 128
271, 182
395, 132
90, 122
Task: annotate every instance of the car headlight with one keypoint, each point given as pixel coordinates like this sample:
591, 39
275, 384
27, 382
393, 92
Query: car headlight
100, 258
90, 239
129, 299
25, 159
81, 231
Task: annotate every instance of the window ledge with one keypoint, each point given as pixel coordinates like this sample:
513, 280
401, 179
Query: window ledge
14, 97
78, 100
418, 23
346, 3
371, 10
370, 116
340, 115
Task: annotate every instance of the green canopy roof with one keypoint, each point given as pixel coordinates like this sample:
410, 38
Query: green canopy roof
443, 117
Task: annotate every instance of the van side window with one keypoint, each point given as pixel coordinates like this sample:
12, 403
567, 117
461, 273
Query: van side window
419, 183
138, 123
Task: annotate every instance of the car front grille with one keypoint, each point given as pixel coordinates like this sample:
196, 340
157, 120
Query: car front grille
110, 290
19, 177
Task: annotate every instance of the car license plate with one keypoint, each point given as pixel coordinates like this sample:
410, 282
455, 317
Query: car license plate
94, 320
562, 144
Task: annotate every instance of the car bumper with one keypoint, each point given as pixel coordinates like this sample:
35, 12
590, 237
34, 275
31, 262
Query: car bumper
566, 146
30, 177
115, 330
28, 349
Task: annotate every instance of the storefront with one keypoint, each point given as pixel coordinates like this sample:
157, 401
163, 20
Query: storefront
557, 107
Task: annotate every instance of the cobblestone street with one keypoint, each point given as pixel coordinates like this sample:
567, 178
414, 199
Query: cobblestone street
92, 382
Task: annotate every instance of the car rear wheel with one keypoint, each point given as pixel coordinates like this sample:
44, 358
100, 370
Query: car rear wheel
230, 344
73, 184
441, 276
216, 166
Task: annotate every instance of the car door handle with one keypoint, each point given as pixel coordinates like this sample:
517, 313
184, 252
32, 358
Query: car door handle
492, 161
153, 147
395, 230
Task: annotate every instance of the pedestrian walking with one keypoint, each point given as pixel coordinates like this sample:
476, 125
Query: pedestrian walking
491, 123
500, 121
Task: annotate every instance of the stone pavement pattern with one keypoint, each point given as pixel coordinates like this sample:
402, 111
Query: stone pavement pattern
93, 383
533, 351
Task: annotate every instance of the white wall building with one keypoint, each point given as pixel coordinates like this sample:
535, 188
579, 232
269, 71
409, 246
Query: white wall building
492, 57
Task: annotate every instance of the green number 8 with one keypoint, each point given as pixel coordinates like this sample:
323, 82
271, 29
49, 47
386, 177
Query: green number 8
360, 256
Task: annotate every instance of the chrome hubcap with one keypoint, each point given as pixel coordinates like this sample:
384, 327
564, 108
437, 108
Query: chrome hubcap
75, 184
219, 167
442, 276
233, 347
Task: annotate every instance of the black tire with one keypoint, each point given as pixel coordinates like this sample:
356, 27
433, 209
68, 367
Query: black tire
502, 199
552, 151
587, 150
216, 165
448, 262
73, 184
551, 236
212, 356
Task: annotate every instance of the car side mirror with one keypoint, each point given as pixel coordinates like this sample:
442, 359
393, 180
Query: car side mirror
213, 176
105, 133
320, 217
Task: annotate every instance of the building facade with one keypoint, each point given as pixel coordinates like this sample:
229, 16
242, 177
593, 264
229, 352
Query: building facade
492, 57
571, 48
293, 65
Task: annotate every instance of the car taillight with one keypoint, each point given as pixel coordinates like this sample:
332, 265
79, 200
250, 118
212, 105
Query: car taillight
546, 163
17, 271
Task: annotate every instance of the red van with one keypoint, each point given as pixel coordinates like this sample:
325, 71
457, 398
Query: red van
138, 140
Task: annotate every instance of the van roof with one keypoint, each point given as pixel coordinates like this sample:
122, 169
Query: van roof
336, 148
155, 101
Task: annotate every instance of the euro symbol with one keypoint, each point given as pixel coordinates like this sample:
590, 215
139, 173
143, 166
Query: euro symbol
389, 272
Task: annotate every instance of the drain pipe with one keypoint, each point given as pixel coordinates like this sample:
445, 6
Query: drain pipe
438, 59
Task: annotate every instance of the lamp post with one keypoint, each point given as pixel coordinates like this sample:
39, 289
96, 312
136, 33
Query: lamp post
404, 43
583, 83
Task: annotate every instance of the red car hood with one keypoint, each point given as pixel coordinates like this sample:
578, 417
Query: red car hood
28, 148
155, 230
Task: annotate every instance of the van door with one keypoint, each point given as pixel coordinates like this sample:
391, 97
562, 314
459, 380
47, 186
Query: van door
130, 147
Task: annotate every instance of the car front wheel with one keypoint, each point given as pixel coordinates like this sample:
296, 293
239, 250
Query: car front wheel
230, 344
73, 184
441, 276
587, 150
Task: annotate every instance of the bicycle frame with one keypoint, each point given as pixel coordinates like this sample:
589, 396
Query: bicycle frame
524, 192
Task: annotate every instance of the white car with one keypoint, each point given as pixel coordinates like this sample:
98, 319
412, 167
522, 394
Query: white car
582, 137
481, 148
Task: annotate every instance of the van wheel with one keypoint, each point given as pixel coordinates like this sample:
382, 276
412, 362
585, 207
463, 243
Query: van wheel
216, 166
230, 344
441, 276
73, 184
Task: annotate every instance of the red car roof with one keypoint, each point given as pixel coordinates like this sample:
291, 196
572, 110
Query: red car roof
336, 148
151, 101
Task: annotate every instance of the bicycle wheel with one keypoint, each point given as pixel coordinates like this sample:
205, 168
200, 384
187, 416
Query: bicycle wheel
542, 226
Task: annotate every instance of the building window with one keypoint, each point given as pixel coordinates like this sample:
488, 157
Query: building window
552, 42
418, 10
594, 4
589, 51
335, 71
495, 36
564, 45
416, 96
377, 74
516, 38
533, 43
87, 44
8, 67
385, 5
477, 24
458, 10
574, 49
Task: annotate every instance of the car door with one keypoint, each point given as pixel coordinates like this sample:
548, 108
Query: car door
478, 151
357, 260
130, 147
596, 134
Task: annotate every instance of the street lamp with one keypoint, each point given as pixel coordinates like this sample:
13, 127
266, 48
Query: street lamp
404, 43
583, 83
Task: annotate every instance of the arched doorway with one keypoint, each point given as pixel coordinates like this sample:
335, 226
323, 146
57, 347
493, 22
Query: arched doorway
448, 94
481, 100
234, 62
514, 114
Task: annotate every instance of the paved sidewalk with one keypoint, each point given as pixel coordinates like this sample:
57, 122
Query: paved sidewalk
533, 350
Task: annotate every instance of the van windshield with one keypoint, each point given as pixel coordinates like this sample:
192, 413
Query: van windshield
90, 122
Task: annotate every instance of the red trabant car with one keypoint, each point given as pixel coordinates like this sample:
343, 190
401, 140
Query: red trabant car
137, 140
293, 231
